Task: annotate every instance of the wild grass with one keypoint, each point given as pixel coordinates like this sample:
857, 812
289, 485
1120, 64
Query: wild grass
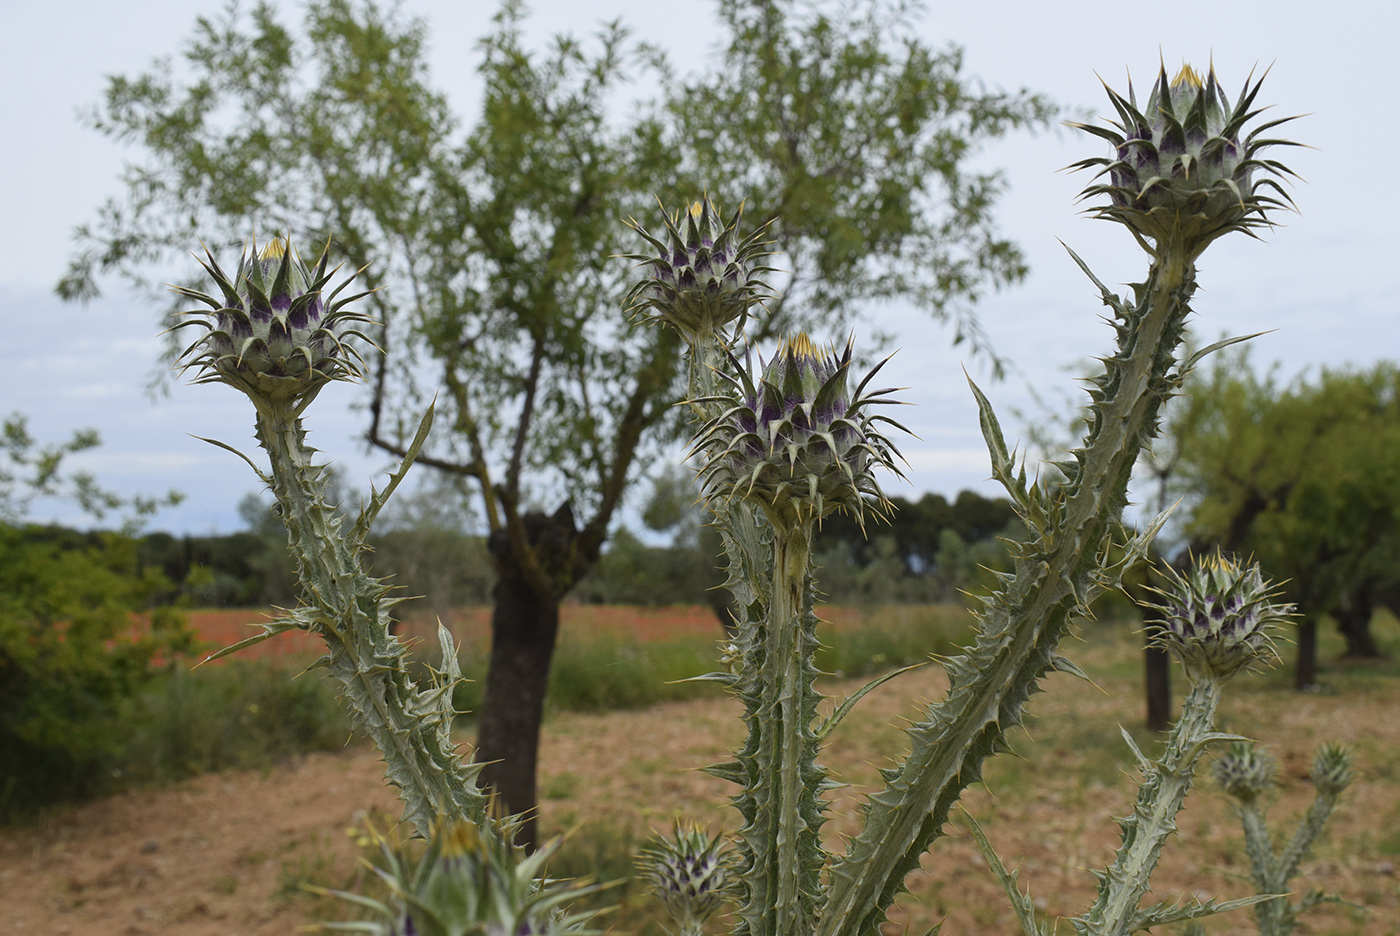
243, 714
595, 672
1048, 807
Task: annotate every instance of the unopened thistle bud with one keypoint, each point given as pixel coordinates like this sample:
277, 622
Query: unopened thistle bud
469, 884
702, 277
797, 441
691, 872
1218, 617
1181, 170
272, 334
1244, 771
1332, 769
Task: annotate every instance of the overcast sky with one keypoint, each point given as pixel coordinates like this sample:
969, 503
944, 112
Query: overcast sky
1325, 280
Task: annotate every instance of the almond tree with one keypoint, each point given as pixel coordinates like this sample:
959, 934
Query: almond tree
493, 241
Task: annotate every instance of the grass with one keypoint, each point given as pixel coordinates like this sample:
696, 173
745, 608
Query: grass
597, 672
244, 714
1047, 807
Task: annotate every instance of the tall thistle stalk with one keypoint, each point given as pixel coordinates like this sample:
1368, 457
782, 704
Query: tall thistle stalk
272, 335
783, 445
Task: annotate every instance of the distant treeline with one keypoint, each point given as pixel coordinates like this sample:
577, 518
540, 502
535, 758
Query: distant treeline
928, 551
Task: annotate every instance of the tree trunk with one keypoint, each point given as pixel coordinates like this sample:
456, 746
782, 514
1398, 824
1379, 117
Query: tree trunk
1354, 621
524, 625
1159, 687
1156, 670
1305, 670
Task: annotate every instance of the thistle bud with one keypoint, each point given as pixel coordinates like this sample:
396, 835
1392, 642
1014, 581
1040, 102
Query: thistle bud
469, 884
798, 441
272, 334
702, 277
1332, 769
1181, 171
1218, 617
1244, 771
691, 873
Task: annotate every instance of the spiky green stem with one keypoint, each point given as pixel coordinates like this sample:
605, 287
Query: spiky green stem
1160, 794
1259, 845
785, 674
1056, 574
350, 611
1273, 872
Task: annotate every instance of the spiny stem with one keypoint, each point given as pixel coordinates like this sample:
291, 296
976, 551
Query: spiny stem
791, 550
1160, 797
349, 609
1056, 575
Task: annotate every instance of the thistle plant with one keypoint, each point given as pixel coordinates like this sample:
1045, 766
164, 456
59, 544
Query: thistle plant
1181, 173
466, 883
1247, 774
273, 336
776, 456
782, 445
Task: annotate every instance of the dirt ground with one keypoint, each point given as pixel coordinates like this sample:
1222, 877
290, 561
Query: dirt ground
223, 854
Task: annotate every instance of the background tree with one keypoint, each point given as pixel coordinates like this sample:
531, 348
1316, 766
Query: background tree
1306, 476
498, 240
71, 660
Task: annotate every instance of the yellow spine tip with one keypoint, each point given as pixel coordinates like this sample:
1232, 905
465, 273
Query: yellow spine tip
274, 250
459, 839
799, 345
1187, 77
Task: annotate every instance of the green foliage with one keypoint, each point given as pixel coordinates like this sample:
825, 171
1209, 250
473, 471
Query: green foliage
633, 573
856, 138
72, 660
240, 570
895, 636
29, 471
426, 545
1305, 476
930, 550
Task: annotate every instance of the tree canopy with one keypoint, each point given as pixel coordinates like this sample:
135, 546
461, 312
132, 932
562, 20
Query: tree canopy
1305, 475
497, 241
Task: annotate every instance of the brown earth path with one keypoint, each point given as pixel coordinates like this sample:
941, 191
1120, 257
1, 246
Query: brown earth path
221, 854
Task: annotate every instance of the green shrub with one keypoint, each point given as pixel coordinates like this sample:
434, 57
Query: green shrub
72, 663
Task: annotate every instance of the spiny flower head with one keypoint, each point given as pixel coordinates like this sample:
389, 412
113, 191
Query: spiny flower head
467, 882
702, 276
796, 440
1332, 769
1217, 618
1244, 771
271, 333
691, 872
1181, 171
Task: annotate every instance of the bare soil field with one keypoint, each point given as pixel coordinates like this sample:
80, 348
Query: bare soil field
224, 854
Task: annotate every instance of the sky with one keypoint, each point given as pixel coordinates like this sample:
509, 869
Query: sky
1322, 283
